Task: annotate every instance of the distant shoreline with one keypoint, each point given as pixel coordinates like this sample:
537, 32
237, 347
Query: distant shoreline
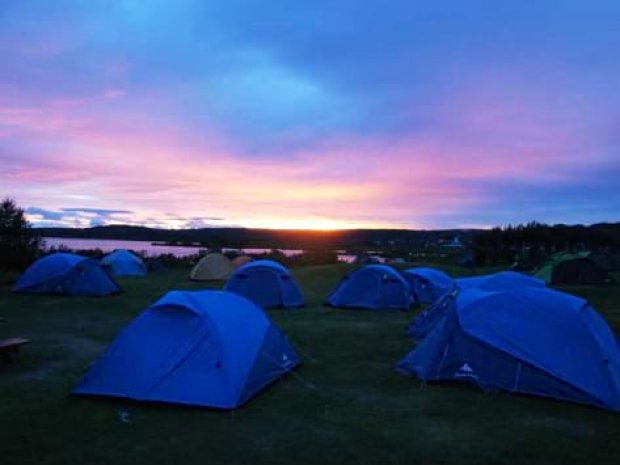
241, 238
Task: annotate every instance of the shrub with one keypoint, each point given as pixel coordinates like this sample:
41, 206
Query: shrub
19, 244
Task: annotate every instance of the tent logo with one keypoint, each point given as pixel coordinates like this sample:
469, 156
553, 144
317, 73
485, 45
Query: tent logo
465, 371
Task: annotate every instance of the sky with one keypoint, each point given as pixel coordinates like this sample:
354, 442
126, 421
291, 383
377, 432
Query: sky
323, 114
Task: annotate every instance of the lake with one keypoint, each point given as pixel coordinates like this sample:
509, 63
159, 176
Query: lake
149, 249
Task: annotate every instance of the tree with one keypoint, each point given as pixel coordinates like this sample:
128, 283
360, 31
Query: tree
533, 242
19, 244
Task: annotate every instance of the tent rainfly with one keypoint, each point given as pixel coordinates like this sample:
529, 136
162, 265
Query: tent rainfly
203, 348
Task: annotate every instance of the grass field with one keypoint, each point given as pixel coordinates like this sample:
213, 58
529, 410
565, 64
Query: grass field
346, 404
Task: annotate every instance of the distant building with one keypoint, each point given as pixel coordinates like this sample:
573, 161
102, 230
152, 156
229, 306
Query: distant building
456, 242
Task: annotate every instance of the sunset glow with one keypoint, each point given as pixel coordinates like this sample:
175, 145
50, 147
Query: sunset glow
199, 114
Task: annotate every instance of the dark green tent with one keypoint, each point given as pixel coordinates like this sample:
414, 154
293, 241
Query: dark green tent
546, 269
579, 271
608, 259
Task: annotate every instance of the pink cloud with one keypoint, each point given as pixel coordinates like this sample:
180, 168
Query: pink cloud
127, 157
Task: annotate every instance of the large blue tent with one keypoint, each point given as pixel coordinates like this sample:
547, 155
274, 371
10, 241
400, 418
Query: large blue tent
428, 284
504, 280
203, 348
501, 281
66, 274
426, 320
124, 263
267, 283
373, 287
534, 341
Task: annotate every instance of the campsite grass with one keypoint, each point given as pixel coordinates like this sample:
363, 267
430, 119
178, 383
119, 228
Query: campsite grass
346, 404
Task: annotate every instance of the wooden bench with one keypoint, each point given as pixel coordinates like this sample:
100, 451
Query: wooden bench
10, 347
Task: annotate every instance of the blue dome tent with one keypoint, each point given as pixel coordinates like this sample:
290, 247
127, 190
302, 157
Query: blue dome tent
502, 281
535, 341
431, 315
467, 288
124, 263
66, 274
373, 287
428, 284
267, 283
204, 348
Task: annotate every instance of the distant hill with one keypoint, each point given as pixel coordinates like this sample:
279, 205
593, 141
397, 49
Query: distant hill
268, 238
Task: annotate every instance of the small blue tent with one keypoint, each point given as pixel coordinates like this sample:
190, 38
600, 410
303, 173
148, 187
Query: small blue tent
373, 287
428, 284
67, 274
535, 341
267, 283
502, 281
124, 263
203, 348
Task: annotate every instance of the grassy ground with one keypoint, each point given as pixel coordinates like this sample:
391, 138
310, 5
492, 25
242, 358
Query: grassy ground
346, 404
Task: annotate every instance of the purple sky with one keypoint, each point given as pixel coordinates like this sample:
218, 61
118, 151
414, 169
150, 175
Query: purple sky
324, 114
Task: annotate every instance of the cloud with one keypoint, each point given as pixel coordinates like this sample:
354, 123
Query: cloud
96, 222
239, 112
97, 211
198, 223
206, 218
43, 214
90, 217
